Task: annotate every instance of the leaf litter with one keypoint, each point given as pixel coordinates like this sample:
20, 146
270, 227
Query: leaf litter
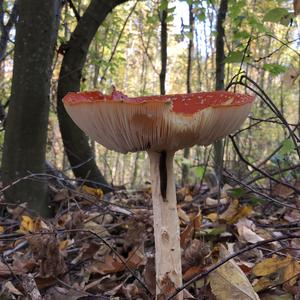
102, 247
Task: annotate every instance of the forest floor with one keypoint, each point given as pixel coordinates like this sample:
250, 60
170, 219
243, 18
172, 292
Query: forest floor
102, 246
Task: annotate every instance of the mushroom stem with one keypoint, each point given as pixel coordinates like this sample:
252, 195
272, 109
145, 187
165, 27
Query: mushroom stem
166, 225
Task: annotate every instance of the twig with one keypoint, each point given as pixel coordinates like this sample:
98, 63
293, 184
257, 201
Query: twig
116, 253
118, 41
268, 198
226, 259
259, 170
75, 11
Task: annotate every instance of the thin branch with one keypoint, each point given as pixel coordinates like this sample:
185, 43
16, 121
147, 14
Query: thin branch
118, 41
226, 259
75, 11
259, 170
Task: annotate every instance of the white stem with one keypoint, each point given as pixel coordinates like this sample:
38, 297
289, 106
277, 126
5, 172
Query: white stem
166, 229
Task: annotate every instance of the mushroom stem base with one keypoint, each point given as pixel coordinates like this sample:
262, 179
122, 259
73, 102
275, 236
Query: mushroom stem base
166, 228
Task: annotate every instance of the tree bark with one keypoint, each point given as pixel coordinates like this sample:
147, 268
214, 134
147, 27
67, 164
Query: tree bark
75, 141
163, 50
220, 75
27, 120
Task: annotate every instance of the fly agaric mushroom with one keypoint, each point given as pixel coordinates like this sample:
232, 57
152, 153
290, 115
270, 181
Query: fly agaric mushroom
160, 125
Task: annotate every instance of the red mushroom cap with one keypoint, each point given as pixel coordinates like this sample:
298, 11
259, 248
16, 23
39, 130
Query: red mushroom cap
157, 123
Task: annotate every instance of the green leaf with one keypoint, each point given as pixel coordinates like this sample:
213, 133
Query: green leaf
199, 172
235, 57
275, 69
255, 24
241, 35
287, 147
275, 15
163, 5
237, 192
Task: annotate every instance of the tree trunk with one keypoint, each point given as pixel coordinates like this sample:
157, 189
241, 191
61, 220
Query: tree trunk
75, 141
220, 74
186, 152
27, 120
163, 50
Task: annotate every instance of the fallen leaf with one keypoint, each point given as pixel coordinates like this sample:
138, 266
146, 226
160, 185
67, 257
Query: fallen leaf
2, 229
12, 289
92, 191
229, 282
277, 297
182, 215
96, 228
262, 283
234, 212
194, 226
195, 254
149, 274
291, 272
212, 217
246, 229
214, 202
271, 265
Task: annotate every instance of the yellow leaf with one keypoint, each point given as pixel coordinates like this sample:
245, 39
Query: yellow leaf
263, 283
27, 224
64, 244
243, 211
270, 265
32, 225
212, 216
234, 212
2, 229
291, 271
95, 192
229, 281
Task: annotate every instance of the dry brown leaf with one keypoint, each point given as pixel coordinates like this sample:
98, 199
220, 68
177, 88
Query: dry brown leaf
195, 254
188, 232
234, 212
136, 257
12, 289
282, 191
110, 264
231, 211
7, 270
149, 274
245, 228
229, 281
191, 272
214, 202
96, 228
277, 296
182, 215
61, 293
45, 250
262, 283
291, 272
271, 265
